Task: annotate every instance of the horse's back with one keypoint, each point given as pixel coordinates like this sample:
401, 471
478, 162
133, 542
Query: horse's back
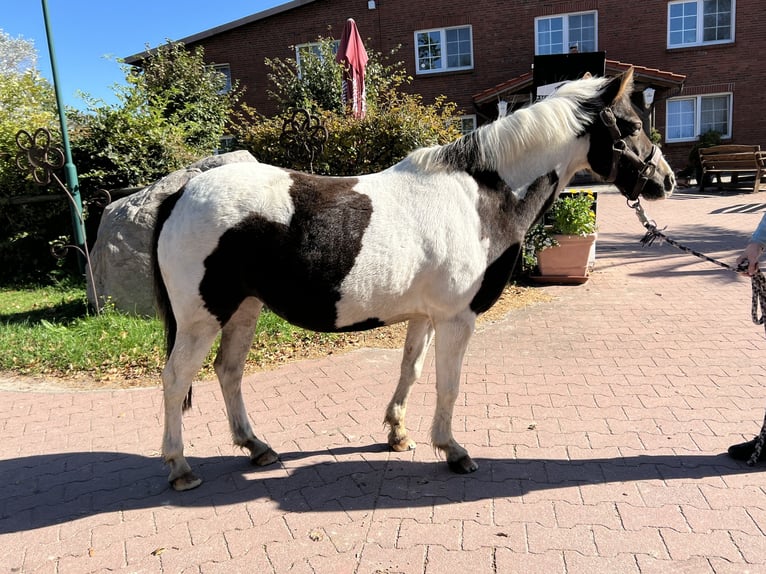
220, 196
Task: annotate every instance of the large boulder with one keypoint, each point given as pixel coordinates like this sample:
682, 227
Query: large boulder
121, 256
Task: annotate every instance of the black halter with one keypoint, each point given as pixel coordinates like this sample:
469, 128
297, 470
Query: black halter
646, 168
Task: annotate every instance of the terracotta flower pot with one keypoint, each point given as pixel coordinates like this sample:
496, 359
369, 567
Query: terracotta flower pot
572, 257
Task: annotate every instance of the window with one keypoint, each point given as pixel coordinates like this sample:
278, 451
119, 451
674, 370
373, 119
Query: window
225, 145
565, 33
466, 124
687, 118
695, 22
226, 71
313, 48
443, 49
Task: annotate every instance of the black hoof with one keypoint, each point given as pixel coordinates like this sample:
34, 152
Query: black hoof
745, 450
186, 482
265, 459
463, 465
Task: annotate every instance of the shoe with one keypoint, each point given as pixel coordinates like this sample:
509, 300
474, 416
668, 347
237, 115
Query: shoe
745, 450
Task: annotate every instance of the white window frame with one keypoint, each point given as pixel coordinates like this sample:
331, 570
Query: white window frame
467, 123
314, 47
225, 144
698, 116
567, 44
224, 69
699, 31
443, 47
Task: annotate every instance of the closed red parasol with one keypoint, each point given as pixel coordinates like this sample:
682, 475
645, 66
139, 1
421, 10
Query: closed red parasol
353, 56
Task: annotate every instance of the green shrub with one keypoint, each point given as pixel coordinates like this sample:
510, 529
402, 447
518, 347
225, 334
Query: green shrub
27, 102
396, 121
573, 213
172, 112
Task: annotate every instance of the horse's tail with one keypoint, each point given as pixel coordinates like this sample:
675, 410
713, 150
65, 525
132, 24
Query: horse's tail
161, 298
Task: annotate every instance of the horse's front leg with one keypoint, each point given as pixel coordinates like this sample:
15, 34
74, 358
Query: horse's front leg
236, 339
419, 335
452, 338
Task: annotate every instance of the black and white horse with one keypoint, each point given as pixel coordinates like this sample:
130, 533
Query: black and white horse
432, 240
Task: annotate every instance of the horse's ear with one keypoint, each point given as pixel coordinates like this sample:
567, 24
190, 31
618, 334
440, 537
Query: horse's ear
587, 76
618, 87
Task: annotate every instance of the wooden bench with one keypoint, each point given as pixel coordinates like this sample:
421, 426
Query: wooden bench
733, 159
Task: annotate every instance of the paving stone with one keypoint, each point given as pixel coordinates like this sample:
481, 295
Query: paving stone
599, 420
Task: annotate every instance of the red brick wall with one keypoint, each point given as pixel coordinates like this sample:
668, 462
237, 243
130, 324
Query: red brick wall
503, 43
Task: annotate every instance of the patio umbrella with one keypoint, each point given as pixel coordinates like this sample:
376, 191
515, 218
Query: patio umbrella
353, 56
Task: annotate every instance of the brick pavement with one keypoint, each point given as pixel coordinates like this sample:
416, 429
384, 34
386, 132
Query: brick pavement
598, 419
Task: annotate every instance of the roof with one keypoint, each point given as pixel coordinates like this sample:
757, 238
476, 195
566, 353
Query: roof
653, 76
646, 75
226, 27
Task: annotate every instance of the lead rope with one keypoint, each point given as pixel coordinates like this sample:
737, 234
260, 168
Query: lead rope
758, 283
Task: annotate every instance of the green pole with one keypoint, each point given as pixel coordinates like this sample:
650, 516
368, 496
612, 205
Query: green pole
70, 172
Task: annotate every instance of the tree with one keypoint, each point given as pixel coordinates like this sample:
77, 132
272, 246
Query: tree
17, 55
125, 145
27, 102
396, 122
312, 84
172, 112
188, 93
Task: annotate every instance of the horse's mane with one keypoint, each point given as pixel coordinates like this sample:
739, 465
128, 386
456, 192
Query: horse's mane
551, 122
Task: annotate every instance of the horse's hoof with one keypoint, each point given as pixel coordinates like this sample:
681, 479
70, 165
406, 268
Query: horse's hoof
403, 445
266, 458
186, 481
744, 451
463, 465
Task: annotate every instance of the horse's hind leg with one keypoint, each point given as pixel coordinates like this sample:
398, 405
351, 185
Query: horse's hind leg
192, 343
236, 339
451, 342
419, 335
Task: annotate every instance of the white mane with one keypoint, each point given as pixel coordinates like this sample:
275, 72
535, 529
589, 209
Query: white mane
543, 128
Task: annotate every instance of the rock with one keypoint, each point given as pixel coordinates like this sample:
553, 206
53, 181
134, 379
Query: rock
121, 255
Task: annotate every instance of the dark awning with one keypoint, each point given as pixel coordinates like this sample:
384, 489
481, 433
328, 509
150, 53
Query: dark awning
642, 75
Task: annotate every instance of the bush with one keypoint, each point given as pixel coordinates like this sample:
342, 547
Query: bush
125, 146
173, 112
396, 122
27, 102
353, 146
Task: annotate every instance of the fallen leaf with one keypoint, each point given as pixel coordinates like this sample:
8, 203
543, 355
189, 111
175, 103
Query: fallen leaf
316, 535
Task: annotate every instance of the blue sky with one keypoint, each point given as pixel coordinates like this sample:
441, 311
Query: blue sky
90, 35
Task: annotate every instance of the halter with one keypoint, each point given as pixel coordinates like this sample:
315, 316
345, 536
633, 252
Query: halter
646, 168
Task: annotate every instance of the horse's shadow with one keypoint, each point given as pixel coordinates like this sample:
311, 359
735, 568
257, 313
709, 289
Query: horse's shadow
51, 489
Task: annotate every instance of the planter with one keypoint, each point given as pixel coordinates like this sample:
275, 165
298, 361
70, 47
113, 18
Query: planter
572, 258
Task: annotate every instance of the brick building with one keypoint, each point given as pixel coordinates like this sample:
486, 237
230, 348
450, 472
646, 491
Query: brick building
702, 59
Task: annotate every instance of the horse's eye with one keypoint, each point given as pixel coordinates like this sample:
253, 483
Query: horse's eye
637, 127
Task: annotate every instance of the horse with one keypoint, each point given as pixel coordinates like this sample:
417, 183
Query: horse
431, 240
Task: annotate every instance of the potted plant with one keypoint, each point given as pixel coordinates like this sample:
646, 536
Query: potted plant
563, 245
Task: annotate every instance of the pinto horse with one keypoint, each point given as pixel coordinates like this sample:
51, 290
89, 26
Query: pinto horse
431, 240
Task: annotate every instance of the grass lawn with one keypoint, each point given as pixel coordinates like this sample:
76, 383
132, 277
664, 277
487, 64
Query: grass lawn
50, 332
